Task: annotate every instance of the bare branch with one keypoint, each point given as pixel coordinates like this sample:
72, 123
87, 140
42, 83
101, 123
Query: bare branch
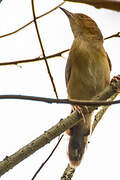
114, 35
9, 162
33, 60
100, 114
17, 30
47, 57
39, 38
107, 4
53, 132
42, 165
60, 101
68, 173
113, 88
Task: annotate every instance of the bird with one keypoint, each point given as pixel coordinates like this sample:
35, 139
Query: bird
87, 73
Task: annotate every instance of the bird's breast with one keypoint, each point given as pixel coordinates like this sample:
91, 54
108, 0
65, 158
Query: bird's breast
90, 72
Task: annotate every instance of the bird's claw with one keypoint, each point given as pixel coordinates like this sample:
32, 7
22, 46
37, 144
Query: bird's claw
116, 78
79, 110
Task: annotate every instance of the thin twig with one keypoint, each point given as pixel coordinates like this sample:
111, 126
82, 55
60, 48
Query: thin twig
39, 38
60, 101
100, 114
51, 56
17, 30
114, 35
53, 132
42, 165
69, 171
32, 60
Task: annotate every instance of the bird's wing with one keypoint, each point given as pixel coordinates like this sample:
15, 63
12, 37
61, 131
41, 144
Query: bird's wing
68, 70
110, 65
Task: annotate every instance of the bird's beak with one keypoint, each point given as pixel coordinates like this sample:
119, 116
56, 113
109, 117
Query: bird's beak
69, 14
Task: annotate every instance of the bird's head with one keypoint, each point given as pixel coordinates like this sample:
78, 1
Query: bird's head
83, 26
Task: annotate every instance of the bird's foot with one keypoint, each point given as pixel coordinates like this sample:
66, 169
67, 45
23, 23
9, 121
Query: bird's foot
116, 79
79, 110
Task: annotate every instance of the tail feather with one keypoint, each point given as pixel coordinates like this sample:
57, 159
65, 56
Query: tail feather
76, 149
78, 140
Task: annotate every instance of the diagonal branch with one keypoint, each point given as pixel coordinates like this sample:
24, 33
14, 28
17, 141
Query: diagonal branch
107, 4
114, 35
42, 165
69, 171
100, 114
47, 57
17, 30
39, 38
33, 60
70, 121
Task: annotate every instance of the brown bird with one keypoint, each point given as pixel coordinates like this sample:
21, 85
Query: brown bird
87, 74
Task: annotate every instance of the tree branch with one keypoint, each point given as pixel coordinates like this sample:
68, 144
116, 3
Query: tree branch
33, 60
69, 171
17, 30
100, 114
53, 132
111, 89
114, 35
43, 52
107, 4
47, 57
42, 165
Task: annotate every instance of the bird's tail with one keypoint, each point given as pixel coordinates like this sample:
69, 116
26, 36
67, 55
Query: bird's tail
76, 149
78, 140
